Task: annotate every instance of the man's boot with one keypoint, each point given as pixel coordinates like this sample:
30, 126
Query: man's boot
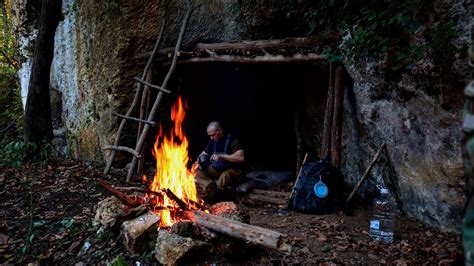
211, 191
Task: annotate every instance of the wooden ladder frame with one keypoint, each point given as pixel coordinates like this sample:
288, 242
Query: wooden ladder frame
144, 81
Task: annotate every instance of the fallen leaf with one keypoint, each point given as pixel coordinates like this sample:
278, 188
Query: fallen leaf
400, 262
73, 246
321, 237
326, 248
3, 239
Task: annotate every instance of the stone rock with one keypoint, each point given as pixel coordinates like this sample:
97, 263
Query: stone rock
229, 210
107, 209
172, 249
185, 229
207, 235
56, 107
423, 166
139, 232
234, 248
192, 230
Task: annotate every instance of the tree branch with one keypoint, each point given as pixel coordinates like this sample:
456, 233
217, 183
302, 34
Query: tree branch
8, 127
9, 60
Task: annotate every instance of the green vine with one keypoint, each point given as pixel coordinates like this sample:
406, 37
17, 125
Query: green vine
439, 42
377, 30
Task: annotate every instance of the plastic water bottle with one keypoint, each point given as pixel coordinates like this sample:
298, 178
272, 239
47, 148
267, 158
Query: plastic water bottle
384, 212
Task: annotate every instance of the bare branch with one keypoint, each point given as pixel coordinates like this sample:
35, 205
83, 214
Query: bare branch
8, 127
8, 59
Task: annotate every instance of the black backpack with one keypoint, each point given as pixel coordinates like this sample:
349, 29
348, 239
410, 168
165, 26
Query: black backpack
304, 197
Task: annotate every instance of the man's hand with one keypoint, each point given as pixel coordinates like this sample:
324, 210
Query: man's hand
236, 157
217, 157
194, 167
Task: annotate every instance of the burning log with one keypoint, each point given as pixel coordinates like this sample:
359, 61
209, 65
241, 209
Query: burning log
253, 234
182, 205
172, 249
139, 232
119, 194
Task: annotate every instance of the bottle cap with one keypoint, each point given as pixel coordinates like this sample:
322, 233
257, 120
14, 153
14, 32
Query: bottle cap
383, 190
469, 90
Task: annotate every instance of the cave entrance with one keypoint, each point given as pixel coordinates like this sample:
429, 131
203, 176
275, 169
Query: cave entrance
270, 107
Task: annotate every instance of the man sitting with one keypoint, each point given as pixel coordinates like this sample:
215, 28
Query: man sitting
221, 162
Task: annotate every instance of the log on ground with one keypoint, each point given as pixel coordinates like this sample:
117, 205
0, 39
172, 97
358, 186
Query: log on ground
267, 196
253, 234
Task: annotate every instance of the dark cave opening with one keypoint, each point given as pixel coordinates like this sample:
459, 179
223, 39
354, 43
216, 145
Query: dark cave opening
259, 103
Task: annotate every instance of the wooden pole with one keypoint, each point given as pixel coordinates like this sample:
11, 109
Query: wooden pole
255, 45
255, 198
325, 147
267, 196
366, 174
143, 115
264, 59
151, 117
138, 92
299, 142
258, 45
336, 130
119, 194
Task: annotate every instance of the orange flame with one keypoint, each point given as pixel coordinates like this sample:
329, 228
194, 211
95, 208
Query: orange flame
171, 166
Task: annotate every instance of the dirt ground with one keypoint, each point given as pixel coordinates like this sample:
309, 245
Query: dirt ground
47, 211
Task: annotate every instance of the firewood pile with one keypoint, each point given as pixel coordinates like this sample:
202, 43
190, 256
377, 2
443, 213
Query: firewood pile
198, 231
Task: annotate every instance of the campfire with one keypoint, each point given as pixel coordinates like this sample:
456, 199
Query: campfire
172, 175
170, 203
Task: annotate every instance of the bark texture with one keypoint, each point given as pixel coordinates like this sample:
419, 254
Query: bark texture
38, 125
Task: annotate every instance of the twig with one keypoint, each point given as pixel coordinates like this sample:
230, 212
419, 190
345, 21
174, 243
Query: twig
30, 226
367, 171
9, 60
8, 127
296, 182
135, 119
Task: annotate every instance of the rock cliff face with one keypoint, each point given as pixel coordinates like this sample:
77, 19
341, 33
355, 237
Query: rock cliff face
93, 69
423, 147
419, 117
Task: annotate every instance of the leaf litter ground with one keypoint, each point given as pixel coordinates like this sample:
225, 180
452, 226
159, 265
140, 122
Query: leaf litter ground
47, 212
